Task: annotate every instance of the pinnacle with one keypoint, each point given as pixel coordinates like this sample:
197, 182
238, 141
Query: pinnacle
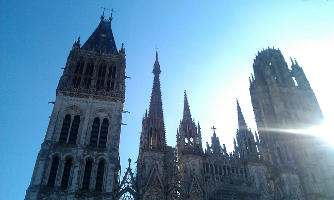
156, 56
241, 120
156, 67
186, 109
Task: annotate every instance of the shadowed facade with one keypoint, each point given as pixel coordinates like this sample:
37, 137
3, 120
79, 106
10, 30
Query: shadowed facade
79, 157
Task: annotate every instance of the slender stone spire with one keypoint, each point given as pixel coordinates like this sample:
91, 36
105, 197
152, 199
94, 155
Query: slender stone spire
155, 109
241, 120
155, 123
186, 109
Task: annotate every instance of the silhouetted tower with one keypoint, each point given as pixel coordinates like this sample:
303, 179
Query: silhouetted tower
79, 158
284, 105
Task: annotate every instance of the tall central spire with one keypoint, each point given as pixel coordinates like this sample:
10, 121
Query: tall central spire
154, 121
155, 109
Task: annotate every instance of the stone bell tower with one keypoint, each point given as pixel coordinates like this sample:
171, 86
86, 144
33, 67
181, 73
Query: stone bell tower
79, 158
285, 107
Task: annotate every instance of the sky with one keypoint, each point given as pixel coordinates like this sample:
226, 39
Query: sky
205, 47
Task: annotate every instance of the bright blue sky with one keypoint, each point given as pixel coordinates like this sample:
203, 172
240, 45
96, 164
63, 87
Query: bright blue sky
205, 47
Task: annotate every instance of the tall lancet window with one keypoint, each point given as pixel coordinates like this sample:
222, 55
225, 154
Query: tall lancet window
66, 172
64, 129
111, 77
101, 76
99, 176
74, 130
87, 174
88, 73
94, 136
53, 171
104, 133
78, 73
150, 139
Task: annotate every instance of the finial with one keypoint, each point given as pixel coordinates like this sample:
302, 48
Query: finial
129, 160
291, 61
296, 62
214, 130
111, 12
156, 54
102, 16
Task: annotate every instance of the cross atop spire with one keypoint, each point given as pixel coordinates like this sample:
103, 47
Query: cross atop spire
214, 130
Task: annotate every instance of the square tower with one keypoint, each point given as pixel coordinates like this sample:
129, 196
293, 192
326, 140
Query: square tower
79, 158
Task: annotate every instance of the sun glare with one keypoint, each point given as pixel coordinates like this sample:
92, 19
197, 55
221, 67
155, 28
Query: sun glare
322, 131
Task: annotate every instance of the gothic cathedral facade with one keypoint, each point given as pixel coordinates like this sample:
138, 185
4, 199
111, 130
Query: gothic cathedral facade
79, 158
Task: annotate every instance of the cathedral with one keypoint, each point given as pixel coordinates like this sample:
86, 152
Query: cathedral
79, 157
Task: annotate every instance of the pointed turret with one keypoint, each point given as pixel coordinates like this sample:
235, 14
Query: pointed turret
215, 144
190, 139
245, 143
241, 120
186, 109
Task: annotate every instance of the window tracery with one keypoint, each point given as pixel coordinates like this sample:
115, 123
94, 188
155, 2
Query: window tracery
95, 132
74, 130
104, 133
66, 172
99, 175
87, 174
53, 171
78, 73
65, 128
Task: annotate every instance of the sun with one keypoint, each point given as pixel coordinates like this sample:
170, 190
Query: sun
323, 131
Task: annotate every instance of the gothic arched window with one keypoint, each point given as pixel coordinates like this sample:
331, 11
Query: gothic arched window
104, 133
111, 77
53, 171
87, 174
74, 130
99, 176
95, 132
65, 128
66, 172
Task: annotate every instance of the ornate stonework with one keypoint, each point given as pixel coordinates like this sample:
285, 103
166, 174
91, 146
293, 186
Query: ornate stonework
79, 158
